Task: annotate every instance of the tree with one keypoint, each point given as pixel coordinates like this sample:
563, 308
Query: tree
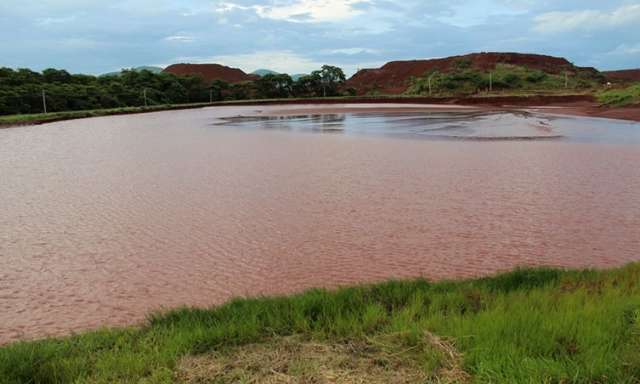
309, 85
217, 89
56, 76
331, 77
274, 86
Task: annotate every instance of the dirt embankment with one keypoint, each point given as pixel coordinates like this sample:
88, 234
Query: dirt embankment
492, 101
631, 113
211, 72
625, 75
393, 77
575, 105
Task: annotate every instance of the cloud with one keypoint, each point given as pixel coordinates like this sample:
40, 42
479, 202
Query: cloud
180, 38
299, 11
351, 51
224, 7
46, 21
301, 35
553, 22
626, 49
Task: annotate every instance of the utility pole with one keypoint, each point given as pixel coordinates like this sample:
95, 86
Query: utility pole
210, 95
145, 97
44, 101
490, 81
429, 79
566, 79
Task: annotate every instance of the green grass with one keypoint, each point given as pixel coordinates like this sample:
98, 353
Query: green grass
505, 79
527, 326
38, 118
620, 97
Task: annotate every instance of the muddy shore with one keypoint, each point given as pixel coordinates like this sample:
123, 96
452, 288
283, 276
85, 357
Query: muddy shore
587, 109
571, 106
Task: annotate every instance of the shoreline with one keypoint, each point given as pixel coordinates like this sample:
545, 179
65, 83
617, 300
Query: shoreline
138, 323
528, 314
571, 105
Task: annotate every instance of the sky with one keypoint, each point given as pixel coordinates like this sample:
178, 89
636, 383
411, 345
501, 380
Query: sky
298, 36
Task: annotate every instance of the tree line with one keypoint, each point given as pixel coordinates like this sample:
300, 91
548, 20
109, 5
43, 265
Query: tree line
21, 90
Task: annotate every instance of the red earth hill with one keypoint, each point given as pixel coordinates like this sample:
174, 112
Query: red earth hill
625, 75
210, 72
394, 77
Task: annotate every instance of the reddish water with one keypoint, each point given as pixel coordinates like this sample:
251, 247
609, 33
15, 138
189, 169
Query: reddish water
103, 220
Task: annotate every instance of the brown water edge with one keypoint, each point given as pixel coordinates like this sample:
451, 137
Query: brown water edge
106, 219
571, 105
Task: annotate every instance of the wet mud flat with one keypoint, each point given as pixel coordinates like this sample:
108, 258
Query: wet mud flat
440, 122
107, 219
451, 124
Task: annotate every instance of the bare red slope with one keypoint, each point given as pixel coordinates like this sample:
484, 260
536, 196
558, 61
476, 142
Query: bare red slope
623, 75
210, 72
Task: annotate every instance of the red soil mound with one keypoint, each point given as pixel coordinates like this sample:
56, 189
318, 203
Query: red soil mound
393, 77
623, 75
210, 72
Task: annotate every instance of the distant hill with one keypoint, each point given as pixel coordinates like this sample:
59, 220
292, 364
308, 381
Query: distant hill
263, 72
394, 77
211, 72
625, 75
137, 69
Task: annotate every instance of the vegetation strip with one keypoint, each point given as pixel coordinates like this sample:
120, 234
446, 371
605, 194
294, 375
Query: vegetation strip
526, 326
621, 97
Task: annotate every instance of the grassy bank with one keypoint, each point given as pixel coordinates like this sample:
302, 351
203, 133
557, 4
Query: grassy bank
528, 326
621, 97
41, 118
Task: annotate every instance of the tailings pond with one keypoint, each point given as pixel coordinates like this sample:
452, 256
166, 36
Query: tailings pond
103, 220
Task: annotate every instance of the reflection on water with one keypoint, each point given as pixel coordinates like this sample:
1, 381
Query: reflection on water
322, 123
465, 125
103, 220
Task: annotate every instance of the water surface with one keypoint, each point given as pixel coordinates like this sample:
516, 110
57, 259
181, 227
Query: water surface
446, 124
103, 220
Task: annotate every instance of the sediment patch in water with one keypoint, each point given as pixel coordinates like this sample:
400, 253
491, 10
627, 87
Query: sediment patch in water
455, 124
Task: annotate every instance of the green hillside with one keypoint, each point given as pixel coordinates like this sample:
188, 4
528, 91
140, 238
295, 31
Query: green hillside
505, 78
263, 72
